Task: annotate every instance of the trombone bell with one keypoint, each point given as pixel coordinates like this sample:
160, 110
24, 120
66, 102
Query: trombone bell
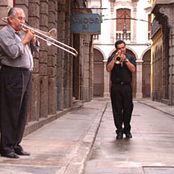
53, 34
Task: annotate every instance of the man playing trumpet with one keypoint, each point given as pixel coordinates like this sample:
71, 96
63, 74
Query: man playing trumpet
16, 48
121, 66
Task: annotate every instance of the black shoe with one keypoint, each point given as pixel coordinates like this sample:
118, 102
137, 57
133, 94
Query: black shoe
21, 152
119, 135
10, 155
128, 135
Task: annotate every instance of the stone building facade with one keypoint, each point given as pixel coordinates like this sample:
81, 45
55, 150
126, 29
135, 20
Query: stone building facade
128, 20
163, 51
59, 78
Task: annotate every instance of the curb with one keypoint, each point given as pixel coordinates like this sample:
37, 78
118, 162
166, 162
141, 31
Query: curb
82, 151
167, 109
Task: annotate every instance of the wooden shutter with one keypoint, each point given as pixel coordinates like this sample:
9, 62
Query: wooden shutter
123, 19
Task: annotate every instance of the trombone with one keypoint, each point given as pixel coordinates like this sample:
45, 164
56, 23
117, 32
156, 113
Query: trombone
49, 37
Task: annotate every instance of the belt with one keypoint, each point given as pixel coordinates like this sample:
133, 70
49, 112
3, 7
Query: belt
121, 83
15, 68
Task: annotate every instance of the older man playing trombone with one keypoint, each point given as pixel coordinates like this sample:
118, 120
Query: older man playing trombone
16, 48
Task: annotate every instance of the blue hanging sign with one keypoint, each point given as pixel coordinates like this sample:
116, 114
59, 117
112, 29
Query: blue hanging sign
86, 23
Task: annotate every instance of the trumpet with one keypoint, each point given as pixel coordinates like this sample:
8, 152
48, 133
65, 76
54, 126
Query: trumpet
118, 59
49, 37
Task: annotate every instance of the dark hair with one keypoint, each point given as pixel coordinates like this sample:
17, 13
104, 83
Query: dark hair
119, 42
13, 10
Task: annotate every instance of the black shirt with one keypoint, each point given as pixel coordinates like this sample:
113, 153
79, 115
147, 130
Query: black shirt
121, 73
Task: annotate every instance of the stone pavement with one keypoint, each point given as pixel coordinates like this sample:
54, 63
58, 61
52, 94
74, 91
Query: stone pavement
59, 147
150, 151
157, 105
64, 145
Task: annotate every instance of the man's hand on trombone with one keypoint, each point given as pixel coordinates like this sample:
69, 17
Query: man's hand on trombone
30, 36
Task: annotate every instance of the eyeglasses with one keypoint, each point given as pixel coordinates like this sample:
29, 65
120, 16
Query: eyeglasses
21, 18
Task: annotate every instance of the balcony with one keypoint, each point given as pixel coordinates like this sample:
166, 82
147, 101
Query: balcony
120, 35
158, 3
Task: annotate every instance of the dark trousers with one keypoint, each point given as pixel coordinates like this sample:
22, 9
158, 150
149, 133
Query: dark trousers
122, 106
15, 93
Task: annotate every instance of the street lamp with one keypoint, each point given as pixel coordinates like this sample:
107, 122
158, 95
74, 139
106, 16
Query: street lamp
124, 31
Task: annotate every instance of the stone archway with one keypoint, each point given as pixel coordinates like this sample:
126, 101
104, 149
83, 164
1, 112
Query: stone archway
146, 72
98, 76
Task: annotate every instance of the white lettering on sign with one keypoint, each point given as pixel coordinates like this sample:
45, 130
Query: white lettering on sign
85, 23
85, 20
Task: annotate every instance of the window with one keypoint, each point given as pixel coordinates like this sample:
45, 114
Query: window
149, 26
123, 19
123, 24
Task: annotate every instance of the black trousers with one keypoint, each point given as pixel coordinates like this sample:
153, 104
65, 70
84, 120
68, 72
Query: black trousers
122, 106
15, 93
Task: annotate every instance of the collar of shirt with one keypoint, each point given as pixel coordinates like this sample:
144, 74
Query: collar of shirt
11, 28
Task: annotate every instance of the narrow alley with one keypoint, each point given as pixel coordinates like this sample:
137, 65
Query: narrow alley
83, 141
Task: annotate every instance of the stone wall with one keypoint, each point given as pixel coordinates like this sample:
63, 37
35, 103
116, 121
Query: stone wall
164, 13
54, 74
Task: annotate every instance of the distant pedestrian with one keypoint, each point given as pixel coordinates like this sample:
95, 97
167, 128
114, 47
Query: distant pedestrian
121, 66
16, 49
